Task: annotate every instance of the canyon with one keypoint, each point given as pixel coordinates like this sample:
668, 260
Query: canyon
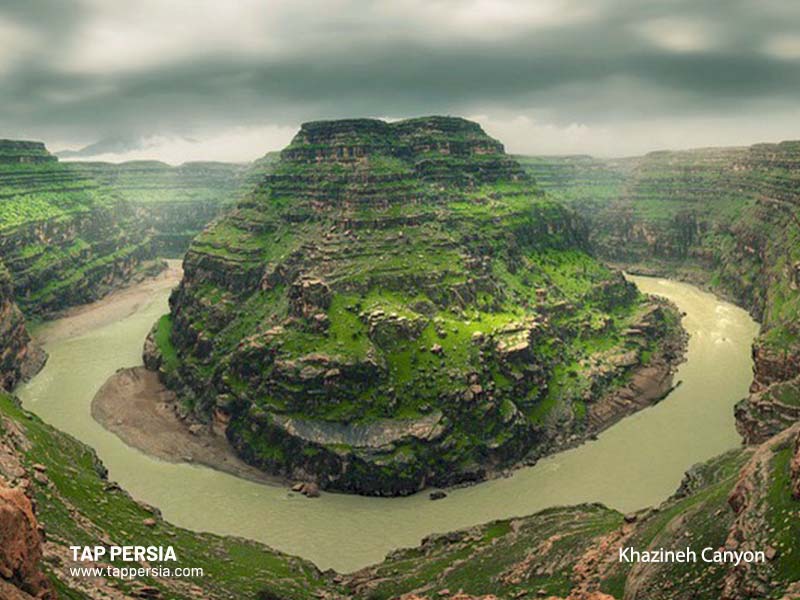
72, 232
424, 203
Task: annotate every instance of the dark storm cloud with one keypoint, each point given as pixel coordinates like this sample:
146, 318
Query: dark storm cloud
80, 71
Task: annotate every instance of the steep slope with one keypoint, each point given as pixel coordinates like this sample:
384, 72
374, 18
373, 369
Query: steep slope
19, 357
398, 306
745, 501
175, 203
64, 239
76, 504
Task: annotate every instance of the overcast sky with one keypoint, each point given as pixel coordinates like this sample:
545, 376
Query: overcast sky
192, 79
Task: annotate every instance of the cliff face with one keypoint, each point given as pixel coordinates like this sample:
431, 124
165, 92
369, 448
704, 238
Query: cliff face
63, 238
396, 307
18, 355
20, 548
727, 218
174, 203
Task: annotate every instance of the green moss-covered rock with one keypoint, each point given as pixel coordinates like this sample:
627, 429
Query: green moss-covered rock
397, 305
64, 238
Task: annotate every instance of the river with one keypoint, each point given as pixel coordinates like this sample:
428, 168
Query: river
636, 463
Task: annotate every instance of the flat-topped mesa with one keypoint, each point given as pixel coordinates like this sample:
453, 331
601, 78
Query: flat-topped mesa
340, 164
372, 161
410, 139
338, 141
380, 314
14, 151
446, 135
456, 151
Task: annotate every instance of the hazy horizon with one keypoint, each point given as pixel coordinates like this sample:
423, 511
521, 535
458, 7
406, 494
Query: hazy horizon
195, 80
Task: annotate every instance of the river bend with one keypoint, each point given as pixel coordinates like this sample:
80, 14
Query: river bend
636, 463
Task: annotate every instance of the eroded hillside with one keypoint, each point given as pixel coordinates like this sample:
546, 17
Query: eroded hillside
399, 306
728, 218
19, 356
63, 238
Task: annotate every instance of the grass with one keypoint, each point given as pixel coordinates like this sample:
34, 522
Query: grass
169, 355
783, 516
80, 504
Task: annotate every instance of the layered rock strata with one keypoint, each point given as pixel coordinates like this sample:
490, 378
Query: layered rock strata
398, 306
727, 218
64, 238
19, 356
174, 203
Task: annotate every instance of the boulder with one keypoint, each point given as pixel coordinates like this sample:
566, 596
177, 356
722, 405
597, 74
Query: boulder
21, 544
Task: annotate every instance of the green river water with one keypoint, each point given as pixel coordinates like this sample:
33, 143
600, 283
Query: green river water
636, 463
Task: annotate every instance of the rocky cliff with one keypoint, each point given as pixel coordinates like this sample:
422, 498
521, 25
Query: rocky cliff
19, 356
64, 239
396, 306
727, 218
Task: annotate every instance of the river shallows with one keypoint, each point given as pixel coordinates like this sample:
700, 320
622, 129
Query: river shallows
636, 463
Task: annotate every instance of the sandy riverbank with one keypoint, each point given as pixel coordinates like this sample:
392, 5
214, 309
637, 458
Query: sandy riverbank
109, 309
135, 405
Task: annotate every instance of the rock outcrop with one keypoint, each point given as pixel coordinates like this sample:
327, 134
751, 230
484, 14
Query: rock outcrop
393, 308
20, 548
19, 356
